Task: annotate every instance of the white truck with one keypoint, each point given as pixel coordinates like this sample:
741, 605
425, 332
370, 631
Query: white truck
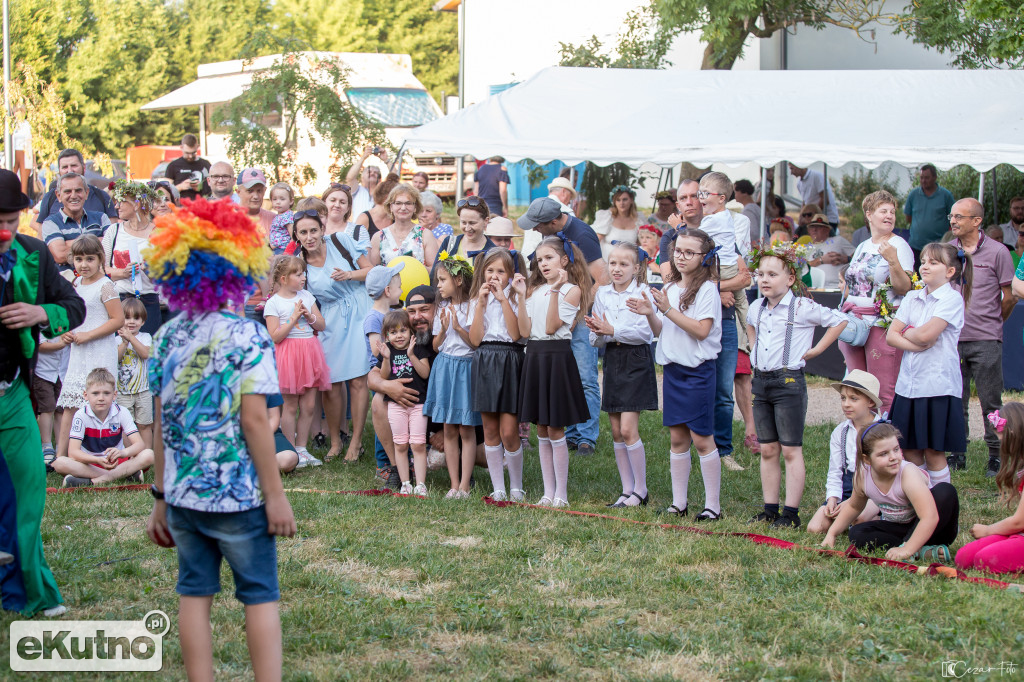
381, 85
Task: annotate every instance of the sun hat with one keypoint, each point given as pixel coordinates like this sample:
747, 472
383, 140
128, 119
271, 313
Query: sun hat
862, 381
379, 277
498, 226
561, 183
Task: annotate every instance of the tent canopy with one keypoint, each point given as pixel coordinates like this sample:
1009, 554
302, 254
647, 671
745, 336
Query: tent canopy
735, 117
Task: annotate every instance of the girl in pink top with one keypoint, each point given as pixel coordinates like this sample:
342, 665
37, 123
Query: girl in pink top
917, 523
999, 548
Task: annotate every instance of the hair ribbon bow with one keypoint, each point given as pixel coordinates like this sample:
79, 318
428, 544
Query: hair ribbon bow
710, 256
998, 423
567, 245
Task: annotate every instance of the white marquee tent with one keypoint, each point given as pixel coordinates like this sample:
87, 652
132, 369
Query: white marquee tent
734, 117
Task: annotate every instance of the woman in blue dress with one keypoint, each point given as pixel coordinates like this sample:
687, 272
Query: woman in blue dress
336, 268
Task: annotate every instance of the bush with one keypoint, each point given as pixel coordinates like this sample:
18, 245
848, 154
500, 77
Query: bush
851, 190
962, 181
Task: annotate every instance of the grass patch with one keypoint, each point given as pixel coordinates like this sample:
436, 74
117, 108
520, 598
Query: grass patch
389, 588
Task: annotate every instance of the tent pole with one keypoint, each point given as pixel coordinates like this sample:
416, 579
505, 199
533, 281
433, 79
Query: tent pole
995, 198
824, 193
460, 161
981, 187
764, 201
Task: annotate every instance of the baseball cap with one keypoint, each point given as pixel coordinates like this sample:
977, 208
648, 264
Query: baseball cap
424, 293
819, 220
250, 177
379, 277
542, 210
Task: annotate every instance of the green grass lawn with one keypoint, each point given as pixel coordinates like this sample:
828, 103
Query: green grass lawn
392, 588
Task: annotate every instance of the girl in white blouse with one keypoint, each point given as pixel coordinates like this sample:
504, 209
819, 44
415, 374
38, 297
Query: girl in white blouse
550, 389
630, 383
687, 314
497, 365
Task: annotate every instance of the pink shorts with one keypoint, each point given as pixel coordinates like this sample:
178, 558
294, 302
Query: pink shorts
408, 425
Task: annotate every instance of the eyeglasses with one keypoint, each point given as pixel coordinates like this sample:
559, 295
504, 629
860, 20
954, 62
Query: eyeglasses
470, 201
686, 255
221, 177
704, 194
957, 217
403, 204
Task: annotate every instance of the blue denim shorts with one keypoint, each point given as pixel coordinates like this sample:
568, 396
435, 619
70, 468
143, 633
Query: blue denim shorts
204, 538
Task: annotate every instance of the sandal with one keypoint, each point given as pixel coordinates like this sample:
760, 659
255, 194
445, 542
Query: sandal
330, 457
675, 511
621, 502
517, 495
642, 500
933, 554
708, 515
544, 502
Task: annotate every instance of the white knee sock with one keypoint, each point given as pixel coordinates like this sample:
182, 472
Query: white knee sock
711, 470
495, 466
638, 464
515, 469
560, 453
625, 470
547, 466
936, 477
679, 465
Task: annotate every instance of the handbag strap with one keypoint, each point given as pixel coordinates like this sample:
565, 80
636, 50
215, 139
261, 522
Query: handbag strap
344, 252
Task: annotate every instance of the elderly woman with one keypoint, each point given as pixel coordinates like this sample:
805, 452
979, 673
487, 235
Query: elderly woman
430, 216
619, 223
123, 243
883, 259
403, 237
336, 268
379, 217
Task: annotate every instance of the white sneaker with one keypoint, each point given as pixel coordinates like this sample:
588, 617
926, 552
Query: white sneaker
499, 496
517, 495
306, 459
55, 611
453, 494
420, 490
406, 489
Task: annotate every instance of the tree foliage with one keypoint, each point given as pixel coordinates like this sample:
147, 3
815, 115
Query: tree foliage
642, 44
977, 33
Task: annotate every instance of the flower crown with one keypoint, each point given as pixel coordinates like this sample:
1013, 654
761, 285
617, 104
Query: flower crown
621, 188
456, 265
126, 190
793, 255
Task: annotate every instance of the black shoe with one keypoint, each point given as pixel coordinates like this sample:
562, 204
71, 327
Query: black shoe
320, 440
993, 467
571, 444
585, 449
394, 480
674, 511
619, 502
957, 461
765, 517
708, 515
786, 521
643, 500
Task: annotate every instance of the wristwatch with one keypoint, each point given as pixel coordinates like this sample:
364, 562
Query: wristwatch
155, 492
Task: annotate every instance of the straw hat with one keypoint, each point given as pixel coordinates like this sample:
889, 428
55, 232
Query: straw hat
864, 382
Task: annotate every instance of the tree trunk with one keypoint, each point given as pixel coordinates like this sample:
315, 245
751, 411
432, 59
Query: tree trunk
723, 53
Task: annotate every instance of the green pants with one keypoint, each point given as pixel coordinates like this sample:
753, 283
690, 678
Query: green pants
22, 450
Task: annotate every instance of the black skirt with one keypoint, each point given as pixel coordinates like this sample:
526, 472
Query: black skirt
630, 383
496, 370
935, 423
550, 388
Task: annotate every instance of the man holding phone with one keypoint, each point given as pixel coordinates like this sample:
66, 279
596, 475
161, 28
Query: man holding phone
188, 172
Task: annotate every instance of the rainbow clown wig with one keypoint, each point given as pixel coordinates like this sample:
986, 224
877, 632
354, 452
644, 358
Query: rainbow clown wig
206, 254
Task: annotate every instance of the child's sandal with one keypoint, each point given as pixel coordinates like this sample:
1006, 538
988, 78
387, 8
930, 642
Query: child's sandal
708, 515
934, 554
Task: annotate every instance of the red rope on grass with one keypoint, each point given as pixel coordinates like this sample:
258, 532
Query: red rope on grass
850, 554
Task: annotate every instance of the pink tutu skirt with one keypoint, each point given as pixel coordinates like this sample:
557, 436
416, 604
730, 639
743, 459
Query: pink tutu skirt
301, 365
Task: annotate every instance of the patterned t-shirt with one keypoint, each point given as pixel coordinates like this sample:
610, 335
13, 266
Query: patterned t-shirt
132, 371
200, 367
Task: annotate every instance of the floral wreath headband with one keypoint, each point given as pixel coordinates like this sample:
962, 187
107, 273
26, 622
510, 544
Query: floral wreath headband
125, 190
793, 255
621, 188
457, 266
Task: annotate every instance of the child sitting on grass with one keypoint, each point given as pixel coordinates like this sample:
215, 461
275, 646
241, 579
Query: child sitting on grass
99, 429
217, 486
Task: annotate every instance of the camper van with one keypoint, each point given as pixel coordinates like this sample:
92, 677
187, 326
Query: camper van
382, 86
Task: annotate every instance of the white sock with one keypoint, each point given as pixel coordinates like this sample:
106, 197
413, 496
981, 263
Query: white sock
936, 477
679, 465
547, 466
711, 470
495, 466
625, 471
560, 453
515, 469
638, 463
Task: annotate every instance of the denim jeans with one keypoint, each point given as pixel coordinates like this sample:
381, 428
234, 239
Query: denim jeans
726, 369
586, 360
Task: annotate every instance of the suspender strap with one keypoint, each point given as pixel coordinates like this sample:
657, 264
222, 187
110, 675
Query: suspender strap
789, 334
760, 312
843, 437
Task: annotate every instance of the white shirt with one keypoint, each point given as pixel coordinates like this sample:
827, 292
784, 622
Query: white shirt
741, 226
361, 201
834, 479
495, 328
771, 334
719, 227
935, 371
52, 366
282, 308
537, 309
98, 434
453, 344
677, 346
629, 327
1010, 234
811, 186
816, 250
